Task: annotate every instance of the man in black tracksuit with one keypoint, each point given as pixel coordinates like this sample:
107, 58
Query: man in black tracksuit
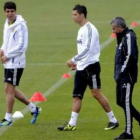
126, 71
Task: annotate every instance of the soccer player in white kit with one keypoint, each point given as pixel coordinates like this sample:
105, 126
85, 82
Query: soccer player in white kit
12, 55
87, 66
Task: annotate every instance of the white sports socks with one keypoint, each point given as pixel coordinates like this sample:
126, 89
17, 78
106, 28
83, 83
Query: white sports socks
111, 117
73, 120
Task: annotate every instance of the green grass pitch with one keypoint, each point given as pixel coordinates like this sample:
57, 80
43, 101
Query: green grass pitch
52, 41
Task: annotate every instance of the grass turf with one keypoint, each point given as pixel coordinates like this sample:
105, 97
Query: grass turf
52, 41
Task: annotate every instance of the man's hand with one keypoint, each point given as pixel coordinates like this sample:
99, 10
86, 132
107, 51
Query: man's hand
1, 53
3, 58
74, 67
70, 64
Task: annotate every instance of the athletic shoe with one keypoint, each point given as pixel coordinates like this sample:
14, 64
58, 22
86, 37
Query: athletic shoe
124, 136
67, 127
4, 122
35, 115
112, 125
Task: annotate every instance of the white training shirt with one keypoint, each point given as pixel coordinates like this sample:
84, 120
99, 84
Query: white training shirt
15, 42
88, 46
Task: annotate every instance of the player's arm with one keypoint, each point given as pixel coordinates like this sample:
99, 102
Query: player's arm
128, 52
86, 45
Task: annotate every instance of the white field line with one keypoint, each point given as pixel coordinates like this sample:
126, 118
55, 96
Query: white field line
54, 87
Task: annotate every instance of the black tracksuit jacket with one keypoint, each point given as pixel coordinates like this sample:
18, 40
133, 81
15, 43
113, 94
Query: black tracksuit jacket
126, 58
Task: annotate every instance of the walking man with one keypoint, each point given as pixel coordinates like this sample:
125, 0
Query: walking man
126, 71
87, 66
12, 56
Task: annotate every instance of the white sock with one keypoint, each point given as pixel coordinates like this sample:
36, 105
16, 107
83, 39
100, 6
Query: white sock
111, 117
8, 117
74, 116
31, 107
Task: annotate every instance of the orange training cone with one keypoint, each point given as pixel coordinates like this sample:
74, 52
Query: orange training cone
113, 35
66, 75
134, 24
37, 97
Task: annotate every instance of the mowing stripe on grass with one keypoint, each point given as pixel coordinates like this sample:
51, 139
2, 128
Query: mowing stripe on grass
55, 86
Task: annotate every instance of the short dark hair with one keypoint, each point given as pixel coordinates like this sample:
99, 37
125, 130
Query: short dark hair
9, 5
81, 9
119, 21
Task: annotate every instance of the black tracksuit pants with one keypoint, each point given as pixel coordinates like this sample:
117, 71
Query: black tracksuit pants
124, 99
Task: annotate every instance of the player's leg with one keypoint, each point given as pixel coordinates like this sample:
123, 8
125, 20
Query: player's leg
21, 97
80, 85
10, 97
94, 83
32, 107
97, 94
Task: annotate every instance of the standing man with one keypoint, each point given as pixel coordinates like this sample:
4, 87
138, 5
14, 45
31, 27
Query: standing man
12, 55
126, 70
88, 69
